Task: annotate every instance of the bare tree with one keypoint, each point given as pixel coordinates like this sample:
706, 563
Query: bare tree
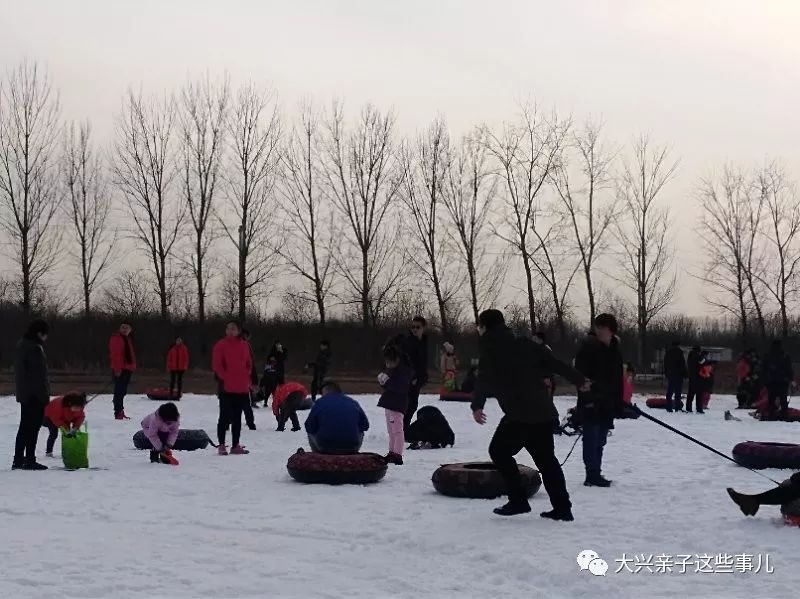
255, 128
526, 153
144, 170
468, 195
130, 294
781, 229
203, 114
644, 234
363, 177
29, 200
589, 210
309, 251
425, 167
729, 213
88, 208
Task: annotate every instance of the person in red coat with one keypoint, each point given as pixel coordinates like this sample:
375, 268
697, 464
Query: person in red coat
123, 365
65, 412
177, 364
285, 401
232, 363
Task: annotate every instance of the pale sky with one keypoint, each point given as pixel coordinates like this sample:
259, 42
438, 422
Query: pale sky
717, 80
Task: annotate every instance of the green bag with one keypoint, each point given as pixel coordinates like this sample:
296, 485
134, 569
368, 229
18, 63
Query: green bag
75, 449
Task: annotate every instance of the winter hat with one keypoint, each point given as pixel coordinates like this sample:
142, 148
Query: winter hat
38, 327
491, 318
448, 347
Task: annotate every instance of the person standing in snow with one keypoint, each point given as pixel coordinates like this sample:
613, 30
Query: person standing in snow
512, 369
395, 380
674, 372
319, 368
161, 428
177, 365
415, 347
32, 386
693, 370
599, 359
249, 416
777, 375
123, 365
280, 354
232, 364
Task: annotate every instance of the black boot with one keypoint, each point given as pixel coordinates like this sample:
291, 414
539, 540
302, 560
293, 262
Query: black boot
18, 464
32, 464
564, 515
747, 504
596, 480
154, 457
513, 508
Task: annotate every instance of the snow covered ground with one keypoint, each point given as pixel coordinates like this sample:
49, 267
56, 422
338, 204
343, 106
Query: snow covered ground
238, 526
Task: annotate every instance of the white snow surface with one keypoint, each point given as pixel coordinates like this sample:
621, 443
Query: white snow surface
238, 526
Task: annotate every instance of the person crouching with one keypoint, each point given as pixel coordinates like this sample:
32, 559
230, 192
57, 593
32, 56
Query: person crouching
161, 428
66, 413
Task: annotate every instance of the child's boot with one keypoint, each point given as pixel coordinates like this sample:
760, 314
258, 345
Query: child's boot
222, 449
154, 459
394, 458
167, 458
239, 450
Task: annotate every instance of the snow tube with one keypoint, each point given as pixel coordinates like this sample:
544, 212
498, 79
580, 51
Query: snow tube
656, 402
758, 455
454, 396
792, 414
479, 480
160, 394
327, 469
188, 440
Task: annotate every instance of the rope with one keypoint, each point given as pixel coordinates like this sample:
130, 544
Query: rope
701, 444
578, 438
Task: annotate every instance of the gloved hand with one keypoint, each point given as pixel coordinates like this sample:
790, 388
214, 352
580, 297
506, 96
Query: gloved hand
382, 378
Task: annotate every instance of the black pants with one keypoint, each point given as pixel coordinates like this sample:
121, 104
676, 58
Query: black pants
121, 383
231, 406
782, 494
509, 439
52, 434
778, 399
413, 404
316, 383
249, 417
267, 389
288, 411
31, 415
693, 392
176, 378
322, 446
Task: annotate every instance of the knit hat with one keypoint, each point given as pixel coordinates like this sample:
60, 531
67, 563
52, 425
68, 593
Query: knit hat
38, 327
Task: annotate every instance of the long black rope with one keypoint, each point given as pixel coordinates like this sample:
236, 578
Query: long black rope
578, 438
700, 443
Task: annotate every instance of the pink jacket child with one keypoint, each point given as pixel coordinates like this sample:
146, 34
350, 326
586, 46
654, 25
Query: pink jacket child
627, 385
161, 429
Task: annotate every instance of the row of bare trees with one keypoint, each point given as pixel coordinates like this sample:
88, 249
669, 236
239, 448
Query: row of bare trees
222, 197
751, 229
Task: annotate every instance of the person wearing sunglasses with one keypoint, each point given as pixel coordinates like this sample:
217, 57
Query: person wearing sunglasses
415, 346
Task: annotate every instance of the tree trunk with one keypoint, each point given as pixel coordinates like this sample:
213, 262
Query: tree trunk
473, 285
365, 290
201, 292
590, 292
26, 277
526, 262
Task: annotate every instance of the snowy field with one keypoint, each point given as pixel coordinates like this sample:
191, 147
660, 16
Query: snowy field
238, 526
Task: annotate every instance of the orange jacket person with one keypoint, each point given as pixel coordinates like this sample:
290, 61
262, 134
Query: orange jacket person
177, 364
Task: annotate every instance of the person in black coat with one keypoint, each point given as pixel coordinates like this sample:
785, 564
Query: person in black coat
693, 370
674, 372
33, 393
599, 360
777, 375
415, 347
320, 368
281, 354
513, 369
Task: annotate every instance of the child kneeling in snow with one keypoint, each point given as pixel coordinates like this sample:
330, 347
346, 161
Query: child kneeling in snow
161, 428
396, 382
65, 413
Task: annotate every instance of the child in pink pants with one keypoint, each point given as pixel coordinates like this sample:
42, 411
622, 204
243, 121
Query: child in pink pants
395, 379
